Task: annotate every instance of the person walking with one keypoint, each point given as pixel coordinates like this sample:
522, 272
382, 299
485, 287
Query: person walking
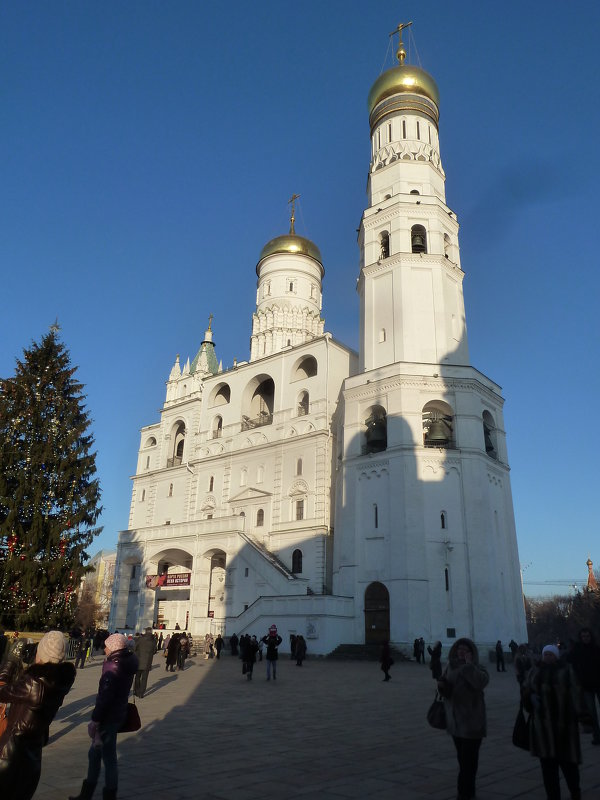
34, 699
435, 664
386, 660
249, 648
500, 657
219, 643
83, 645
461, 685
110, 709
272, 640
554, 699
172, 652
300, 649
585, 658
145, 647
233, 642
184, 649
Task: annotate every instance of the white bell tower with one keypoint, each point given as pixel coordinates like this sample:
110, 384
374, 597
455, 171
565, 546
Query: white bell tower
425, 530
410, 285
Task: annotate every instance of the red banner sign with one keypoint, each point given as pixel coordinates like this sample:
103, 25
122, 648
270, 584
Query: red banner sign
175, 579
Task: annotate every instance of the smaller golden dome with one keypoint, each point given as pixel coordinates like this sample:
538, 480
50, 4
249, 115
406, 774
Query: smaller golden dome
403, 79
291, 243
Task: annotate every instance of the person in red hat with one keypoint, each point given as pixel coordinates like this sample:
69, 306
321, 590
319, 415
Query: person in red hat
272, 640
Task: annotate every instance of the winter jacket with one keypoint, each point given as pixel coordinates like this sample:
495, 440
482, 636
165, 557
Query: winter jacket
145, 647
34, 699
118, 672
462, 686
552, 695
585, 659
272, 643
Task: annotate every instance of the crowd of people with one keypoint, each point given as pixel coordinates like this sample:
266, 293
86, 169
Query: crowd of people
558, 690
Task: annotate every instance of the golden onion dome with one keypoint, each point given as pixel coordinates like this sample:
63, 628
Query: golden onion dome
291, 243
404, 78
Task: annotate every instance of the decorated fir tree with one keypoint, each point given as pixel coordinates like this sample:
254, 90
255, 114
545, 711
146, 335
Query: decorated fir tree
49, 497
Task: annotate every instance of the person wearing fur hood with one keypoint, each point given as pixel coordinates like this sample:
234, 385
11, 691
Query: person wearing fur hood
35, 697
461, 686
109, 713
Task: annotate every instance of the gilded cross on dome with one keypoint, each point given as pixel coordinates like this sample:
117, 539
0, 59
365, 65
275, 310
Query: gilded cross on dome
400, 52
292, 200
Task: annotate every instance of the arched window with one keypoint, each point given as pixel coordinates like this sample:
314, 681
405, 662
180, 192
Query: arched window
418, 239
242, 513
217, 427
297, 562
306, 368
414, 191
384, 245
243, 476
447, 245
260, 518
376, 430
299, 467
170, 490
260, 474
489, 435
178, 446
438, 424
259, 401
443, 520
211, 483
221, 395
303, 403
151, 442
382, 335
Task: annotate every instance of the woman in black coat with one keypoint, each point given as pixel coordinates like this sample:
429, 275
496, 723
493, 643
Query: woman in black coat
34, 699
435, 665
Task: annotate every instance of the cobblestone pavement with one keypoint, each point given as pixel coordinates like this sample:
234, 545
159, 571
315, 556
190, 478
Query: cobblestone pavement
327, 730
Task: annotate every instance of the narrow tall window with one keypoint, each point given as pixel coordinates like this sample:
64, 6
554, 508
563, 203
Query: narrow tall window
297, 562
429, 128
143, 495
418, 130
447, 579
382, 335
211, 483
170, 490
291, 286
299, 509
260, 518
375, 515
299, 467
389, 132
244, 477
379, 138
443, 520
404, 129
147, 461
260, 474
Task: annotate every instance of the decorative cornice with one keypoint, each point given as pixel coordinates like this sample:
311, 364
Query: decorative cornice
440, 385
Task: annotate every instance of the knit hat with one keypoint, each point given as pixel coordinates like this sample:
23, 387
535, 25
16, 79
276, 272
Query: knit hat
51, 648
551, 648
115, 642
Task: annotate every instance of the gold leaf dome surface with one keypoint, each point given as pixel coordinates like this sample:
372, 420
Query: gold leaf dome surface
291, 243
403, 78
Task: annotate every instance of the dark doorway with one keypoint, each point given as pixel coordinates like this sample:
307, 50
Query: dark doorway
377, 614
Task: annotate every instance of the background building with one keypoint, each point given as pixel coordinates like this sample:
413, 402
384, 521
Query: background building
99, 583
348, 497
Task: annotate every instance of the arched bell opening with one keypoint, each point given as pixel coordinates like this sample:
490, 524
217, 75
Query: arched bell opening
489, 435
376, 430
438, 424
418, 239
377, 614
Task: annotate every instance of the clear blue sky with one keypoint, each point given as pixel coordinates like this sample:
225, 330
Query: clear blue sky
149, 149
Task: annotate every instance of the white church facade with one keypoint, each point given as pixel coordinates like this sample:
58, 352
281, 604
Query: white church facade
352, 498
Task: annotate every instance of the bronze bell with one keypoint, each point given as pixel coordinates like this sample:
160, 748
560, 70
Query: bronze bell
437, 434
418, 243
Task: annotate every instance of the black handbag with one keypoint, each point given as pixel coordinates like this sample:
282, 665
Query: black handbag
132, 721
520, 735
436, 714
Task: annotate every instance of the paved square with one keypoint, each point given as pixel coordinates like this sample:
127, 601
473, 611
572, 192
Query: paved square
329, 730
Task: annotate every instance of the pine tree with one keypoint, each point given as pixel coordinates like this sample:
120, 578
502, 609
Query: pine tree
49, 497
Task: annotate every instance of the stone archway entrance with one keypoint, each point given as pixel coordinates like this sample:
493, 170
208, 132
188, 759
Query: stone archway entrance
377, 614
